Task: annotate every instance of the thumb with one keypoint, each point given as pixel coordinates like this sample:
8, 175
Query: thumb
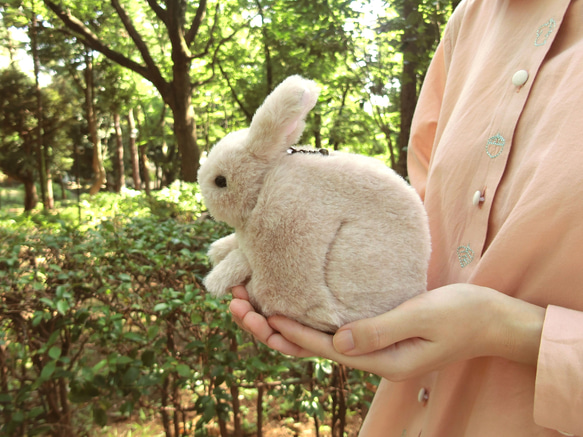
376, 333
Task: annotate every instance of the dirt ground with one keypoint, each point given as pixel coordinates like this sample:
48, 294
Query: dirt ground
272, 427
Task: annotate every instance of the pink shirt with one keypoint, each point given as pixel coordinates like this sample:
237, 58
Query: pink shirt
496, 151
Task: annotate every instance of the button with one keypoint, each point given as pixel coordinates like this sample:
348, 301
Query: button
478, 198
520, 77
423, 395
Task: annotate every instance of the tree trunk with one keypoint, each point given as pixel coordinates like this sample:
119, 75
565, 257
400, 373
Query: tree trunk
408, 98
334, 141
143, 162
185, 132
238, 431
97, 163
339, 408
118, 156
41, 153
259, 408
50, 195
144, 166
318, 130
134, 150
30, 196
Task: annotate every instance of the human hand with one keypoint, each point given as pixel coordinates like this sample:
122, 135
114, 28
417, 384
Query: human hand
449, 324
248, 319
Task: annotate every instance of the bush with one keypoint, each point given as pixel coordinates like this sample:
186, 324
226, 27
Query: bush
100, 321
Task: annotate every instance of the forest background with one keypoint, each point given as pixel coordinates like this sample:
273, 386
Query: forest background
112, 105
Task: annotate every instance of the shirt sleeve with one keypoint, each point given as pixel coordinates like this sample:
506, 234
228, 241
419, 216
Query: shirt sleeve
424, 124
558, 402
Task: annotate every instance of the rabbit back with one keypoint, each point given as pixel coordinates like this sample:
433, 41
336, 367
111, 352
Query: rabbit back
334, 239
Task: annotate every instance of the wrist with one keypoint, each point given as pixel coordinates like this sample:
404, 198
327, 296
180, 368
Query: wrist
517, 334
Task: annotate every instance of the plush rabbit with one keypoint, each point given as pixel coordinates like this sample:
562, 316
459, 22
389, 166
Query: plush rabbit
322, 238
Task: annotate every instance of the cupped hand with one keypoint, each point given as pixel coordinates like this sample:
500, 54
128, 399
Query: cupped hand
248, 319
452, 323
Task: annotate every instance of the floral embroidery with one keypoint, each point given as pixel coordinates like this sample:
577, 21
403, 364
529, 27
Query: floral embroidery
465, 255
544, 32
495, 146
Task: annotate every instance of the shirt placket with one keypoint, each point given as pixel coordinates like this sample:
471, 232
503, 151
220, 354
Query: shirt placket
495, 147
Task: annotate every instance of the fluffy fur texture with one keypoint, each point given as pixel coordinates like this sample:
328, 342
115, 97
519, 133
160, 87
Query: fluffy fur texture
324, 240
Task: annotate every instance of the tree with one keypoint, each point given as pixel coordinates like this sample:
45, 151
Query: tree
25, 15
18, 128
189, 37
300, 37
17, 104
391, 65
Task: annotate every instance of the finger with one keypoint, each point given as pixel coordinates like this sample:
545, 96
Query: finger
283, 345
257, 325
240, 292
395, 363
239, 308
246, 317
308, 341
376, 333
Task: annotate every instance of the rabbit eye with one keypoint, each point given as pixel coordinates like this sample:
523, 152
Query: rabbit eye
221, 181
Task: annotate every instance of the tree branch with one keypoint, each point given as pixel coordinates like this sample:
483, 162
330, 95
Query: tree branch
248, 115
136, 38
196, 22
175, 26
92, 41
160, 12
211, 39
221, 42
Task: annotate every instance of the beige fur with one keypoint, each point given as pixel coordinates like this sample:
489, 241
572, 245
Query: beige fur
324, 240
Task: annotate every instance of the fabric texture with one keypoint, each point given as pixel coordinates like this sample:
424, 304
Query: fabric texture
496, 151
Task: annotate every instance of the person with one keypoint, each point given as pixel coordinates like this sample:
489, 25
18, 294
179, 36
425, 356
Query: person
495, 347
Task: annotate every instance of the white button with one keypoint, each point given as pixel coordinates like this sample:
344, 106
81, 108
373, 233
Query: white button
478, 198
520, 77
423, 395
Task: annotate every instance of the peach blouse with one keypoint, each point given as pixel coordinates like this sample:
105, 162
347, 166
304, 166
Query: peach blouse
496, 151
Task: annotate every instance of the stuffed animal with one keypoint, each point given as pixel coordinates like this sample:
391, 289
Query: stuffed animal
322, 238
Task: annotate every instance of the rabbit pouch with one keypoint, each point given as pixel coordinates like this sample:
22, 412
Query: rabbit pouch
322, 238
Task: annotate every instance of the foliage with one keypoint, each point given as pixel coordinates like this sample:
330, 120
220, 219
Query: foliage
208, 65
108, 320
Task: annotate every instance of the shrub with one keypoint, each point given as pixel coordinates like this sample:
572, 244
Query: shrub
103, 320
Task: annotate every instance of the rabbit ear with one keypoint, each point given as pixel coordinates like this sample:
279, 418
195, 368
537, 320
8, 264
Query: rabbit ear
280, 121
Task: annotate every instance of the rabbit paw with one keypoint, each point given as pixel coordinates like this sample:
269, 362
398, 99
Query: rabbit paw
217, 284
233, 270
219, 250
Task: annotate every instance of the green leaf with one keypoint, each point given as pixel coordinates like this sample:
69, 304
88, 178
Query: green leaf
48, 370
160, 307
55, 352
148, 358
125, 277
62, 306
99, 416
124, 360
37, 319
134, 336
99, 365
183, 370
130, 375
47, 302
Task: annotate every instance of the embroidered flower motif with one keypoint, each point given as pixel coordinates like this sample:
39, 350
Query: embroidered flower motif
544, 32
465, 255
495, 146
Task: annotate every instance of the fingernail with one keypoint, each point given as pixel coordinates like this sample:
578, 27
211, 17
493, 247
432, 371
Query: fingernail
343, 341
